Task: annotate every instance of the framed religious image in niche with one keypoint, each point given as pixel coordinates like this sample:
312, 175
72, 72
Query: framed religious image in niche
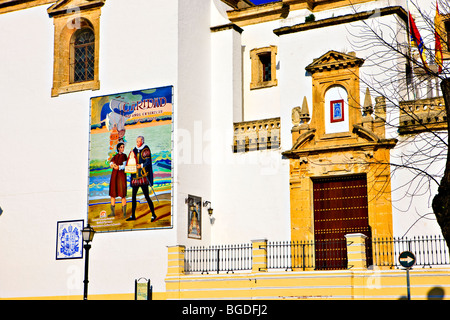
194, 217
69, 242
337, 110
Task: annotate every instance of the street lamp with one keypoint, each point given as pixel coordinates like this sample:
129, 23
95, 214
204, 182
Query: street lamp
210, 210
88, 234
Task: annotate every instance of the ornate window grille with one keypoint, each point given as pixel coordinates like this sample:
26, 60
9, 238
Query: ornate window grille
84, 55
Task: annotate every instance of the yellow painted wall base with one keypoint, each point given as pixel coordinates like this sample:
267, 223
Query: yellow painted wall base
315, 285
118, 296
342, 285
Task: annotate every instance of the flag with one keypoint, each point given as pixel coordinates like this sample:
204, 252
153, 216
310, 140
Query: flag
437, 39
417, 39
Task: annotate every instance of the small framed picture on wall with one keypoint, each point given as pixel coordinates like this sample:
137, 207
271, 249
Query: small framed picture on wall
69, 241
337, 110
194, 217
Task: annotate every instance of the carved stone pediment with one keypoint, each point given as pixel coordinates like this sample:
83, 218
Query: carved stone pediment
333, 60
303, 138
366, 133
70, 6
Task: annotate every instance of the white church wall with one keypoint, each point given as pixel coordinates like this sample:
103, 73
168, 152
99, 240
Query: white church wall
262, 103
419, 164
48, 182
146, 44
250, 194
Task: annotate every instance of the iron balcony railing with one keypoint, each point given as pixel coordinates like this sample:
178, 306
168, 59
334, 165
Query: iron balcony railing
316, 255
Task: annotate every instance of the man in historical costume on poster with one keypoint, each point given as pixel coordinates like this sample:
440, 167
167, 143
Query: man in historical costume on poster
143, 177
118, 182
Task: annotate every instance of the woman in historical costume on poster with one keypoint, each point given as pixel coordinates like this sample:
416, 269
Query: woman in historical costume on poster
118, 182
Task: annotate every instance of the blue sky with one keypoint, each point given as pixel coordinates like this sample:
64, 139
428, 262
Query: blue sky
262, 1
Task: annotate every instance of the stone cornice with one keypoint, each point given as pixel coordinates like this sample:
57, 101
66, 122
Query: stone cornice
399, 11
14, 5
258, 14
298, 153
64, 6
9, 3
229, 26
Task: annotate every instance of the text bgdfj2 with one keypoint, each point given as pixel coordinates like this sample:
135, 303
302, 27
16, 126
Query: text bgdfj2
239, 309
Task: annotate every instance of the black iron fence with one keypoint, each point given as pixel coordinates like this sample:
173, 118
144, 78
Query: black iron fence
318, 255
314, 255
228, 258
428, 250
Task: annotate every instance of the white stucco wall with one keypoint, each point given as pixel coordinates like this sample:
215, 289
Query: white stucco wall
45, 177
420, 163
259, 103
146, 44
250, 190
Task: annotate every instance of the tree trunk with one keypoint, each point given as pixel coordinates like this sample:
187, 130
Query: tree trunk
441, 201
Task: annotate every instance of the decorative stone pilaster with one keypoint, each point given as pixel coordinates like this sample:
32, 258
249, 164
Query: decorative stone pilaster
259, 254
356, 251
175, 265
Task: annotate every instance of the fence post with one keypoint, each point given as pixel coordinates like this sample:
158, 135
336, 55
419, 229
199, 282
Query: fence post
356, 251
175, 260
259, 255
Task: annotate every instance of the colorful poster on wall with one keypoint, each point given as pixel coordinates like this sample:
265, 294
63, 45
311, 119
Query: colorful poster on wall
130, 160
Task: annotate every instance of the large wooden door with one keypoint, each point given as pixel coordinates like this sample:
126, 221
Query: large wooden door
340, 208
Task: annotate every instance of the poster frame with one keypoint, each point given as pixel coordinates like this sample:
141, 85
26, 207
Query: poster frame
172, 121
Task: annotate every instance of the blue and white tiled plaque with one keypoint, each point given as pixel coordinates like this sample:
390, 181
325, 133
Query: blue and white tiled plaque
69, 242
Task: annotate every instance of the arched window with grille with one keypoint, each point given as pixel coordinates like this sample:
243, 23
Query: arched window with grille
83, 57
76, 47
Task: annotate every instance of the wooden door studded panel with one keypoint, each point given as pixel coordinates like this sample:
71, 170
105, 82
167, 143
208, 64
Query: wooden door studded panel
340, 208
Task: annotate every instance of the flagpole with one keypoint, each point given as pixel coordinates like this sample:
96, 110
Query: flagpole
409, 36
438, 56
408, 39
